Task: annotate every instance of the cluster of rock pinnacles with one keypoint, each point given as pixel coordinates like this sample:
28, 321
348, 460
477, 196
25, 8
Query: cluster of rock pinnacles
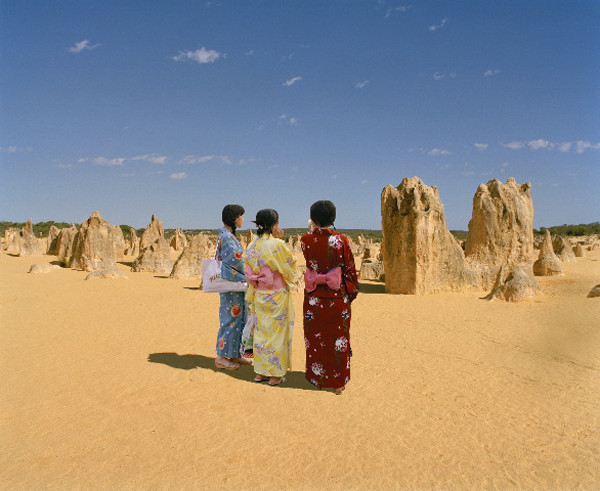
417, 255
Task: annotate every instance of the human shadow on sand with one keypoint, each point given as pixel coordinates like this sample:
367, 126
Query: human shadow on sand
294, 380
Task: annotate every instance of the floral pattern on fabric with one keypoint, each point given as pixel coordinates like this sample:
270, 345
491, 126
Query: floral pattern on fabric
327, 312
232, 308
271, 312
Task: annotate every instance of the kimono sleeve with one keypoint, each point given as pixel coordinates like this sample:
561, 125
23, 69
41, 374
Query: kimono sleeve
349, 276
232, 257
281, 259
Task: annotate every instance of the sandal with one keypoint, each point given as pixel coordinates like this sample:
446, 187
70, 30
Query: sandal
227, 365
339, 390
278, 381
241, 361
260, 378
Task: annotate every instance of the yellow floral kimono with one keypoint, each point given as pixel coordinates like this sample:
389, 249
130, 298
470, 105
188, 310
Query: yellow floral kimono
271, 312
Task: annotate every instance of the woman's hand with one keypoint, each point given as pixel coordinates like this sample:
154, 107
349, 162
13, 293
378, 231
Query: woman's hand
278, 233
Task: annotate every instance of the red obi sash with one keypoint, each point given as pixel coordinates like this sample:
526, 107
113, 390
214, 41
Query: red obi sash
333, 279
266, 279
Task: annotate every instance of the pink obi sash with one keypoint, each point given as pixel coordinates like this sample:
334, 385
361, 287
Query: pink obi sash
266, 279
333, 279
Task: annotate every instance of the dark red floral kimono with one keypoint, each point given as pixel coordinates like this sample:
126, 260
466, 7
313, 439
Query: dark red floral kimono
326, 311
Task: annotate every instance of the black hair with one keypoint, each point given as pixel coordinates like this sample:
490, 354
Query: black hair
265, 220
230, 214
322, 213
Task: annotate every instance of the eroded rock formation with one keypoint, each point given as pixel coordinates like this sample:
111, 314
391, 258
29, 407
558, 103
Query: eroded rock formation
563, 249
94, 245
179, 240
65, 243
189, 263
52, 240
514, 284
29, 244
547, 264
501, 228
420, 254
155, 253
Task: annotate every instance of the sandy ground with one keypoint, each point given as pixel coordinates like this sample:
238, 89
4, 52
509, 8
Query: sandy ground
110, 384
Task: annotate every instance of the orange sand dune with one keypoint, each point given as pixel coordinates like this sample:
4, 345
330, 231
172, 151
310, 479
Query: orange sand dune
110, 384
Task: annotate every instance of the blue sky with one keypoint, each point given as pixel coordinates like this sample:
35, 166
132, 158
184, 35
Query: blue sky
180, 107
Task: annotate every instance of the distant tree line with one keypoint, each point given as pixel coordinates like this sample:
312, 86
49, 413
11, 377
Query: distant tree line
572, 230
375, 235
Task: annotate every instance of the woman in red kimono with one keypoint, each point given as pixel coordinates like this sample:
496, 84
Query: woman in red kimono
331, 285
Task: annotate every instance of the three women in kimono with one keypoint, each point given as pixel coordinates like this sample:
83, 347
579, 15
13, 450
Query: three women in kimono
330, 286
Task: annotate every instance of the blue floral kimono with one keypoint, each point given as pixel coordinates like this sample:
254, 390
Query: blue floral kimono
232, 311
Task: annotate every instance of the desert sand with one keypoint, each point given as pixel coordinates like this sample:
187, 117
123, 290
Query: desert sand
110, 384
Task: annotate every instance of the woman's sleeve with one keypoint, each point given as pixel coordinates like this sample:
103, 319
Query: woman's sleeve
349, 271
232, 255
281, 259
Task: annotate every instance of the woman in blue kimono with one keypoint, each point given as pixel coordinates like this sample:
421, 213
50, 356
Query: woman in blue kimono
232, 310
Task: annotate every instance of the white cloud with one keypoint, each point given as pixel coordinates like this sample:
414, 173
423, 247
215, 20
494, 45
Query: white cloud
565, 147
15, 149
537, 144
291, 81
193, 159
82, 45
579, 146
65, 166
155, 159
247, 161
440, 75
582, 146
481, 146
438, 26
249, 53
391, 10
361, 85
437, 151
491, 72
288, 120
365, 181
108, 162
201, 55
179, 175
514, 145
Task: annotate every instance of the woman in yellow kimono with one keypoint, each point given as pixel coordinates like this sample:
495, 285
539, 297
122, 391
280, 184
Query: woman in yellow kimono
270, 270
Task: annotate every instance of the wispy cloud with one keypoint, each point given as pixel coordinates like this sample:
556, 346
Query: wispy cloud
579, 146
441, 76
201, 55
194, 159
82, 45
65, 166
285, 119
361, 85
438, 151
435, 27
540, 143
179, 175
154, 159
103, 161
15, 149
401, 8
514, 145
365, 181
481, 146
291, 81
491, 72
